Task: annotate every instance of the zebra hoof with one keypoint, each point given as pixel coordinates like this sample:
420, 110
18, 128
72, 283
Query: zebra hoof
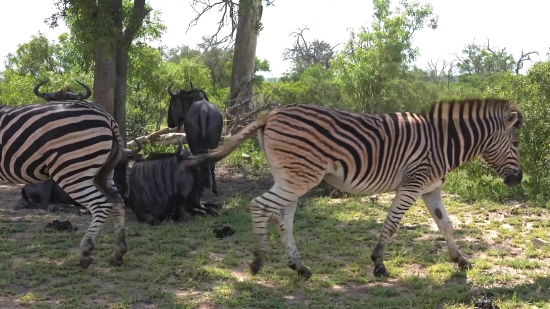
305, 273
255, 267
380, 271
116, 260
85, 261
464, 264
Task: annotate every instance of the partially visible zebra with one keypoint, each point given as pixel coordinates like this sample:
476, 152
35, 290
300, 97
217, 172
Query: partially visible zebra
76, 144
404, 152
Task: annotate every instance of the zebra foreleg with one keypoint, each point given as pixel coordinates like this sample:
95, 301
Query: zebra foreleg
434, 203
405, 197
285, 222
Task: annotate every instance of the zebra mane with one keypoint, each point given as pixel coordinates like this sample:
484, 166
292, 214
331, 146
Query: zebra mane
448, 109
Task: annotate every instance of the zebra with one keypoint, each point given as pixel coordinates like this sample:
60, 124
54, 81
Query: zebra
79, 146
409, 153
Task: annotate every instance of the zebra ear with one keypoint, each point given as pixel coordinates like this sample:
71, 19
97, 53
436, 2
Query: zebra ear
511, 120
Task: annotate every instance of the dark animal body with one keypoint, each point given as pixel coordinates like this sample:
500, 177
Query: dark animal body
408, 153
78, 146
159, 191
44, 193
203, 124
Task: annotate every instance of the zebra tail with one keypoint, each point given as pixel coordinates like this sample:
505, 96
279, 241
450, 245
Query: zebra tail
103, 177
227, 147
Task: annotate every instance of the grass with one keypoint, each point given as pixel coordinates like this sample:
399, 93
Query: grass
185, 266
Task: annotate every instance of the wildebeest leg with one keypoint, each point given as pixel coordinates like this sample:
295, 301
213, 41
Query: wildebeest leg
214, 186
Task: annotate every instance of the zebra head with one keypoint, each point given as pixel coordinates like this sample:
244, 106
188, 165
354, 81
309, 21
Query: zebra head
502, 151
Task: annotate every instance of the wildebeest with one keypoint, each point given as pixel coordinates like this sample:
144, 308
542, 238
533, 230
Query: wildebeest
40, 195
159, 191
203, 125
63, 94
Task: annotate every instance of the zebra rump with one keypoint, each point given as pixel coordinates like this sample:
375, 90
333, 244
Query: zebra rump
76, 144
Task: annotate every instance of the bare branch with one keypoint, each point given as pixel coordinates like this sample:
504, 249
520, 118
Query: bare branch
524, 57
229, 11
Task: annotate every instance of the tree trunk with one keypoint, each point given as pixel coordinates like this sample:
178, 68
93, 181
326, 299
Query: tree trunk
244, 55
120, 91
105, 74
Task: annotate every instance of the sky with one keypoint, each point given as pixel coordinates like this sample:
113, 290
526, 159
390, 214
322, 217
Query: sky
513, 24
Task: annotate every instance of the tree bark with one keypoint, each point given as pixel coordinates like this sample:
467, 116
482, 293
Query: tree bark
120, 91
105, 74
127, 36
244, 55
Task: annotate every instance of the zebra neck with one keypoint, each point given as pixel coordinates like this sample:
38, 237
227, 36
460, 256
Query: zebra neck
463, 140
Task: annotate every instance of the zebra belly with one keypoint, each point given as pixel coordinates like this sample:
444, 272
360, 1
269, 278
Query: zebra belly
371, 187
25, 180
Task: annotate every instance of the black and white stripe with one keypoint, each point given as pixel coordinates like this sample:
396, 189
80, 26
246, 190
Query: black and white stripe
76, 144
409, 153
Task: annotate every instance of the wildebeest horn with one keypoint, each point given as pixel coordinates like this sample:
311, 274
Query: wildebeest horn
88, 91
35, 90
128, 152
190, 83
169, 89
180, 147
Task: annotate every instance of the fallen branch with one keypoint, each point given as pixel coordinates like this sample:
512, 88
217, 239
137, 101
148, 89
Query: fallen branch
152, 138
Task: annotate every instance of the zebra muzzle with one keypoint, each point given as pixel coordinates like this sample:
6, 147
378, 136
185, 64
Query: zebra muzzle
513, 179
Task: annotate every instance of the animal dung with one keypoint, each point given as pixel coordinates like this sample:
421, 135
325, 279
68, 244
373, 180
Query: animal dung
485, 304
61, 226
224, 231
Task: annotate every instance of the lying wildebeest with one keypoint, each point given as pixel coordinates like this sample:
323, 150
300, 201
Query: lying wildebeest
63, 94
160, 191
203, 125
40, 195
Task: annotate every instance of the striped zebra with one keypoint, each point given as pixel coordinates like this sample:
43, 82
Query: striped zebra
76, 144
409, 153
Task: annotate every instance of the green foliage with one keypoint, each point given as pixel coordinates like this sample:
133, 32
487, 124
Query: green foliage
374, 62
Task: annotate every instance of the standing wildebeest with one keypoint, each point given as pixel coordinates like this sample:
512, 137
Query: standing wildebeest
158, 190
76, 144
203, 125
63, 94
39, 195
409, 153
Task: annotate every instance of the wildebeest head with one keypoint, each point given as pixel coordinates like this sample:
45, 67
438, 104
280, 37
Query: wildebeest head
182, 153
119, 174
180, 102
63, 94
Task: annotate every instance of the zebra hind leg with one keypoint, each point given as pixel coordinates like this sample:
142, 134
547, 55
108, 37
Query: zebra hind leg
285, 222
100, 208
405, 197
117, 215
282, 205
